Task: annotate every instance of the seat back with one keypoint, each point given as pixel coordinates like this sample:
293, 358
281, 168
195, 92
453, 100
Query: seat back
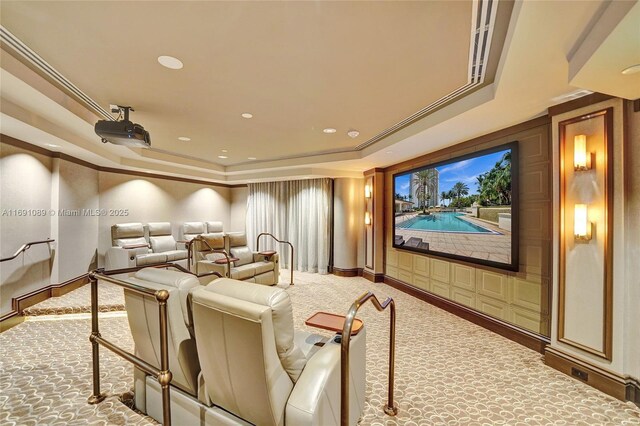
190, 230
239, 249
160, 237
143, 314
214, 226
124, 234
250, 361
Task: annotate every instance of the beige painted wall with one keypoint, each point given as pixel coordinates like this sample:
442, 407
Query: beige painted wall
348, 223
238, 210
25, 183
158, 200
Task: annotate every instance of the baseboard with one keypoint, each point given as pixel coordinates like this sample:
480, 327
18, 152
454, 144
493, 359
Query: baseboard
525, 338
352, 272
376, 278
24, 301
624, 388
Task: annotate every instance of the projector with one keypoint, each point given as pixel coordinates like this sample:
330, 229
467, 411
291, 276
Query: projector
123, 132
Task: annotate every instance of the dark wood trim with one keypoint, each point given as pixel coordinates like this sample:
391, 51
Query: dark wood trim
624, 388
374, 278
351, 272
39, 150
531, 340
584, 101
509, 132
10, 319
372, 171
21, 303
636, 105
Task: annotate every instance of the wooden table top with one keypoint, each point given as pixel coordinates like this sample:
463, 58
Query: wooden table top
332, 322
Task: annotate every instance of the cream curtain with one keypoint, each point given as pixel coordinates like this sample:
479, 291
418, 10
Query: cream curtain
296, 211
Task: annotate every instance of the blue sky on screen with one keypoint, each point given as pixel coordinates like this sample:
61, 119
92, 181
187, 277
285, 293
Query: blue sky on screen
464, 171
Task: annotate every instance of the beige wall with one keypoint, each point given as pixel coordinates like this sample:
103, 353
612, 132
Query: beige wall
158, 200
25, 183
238, 211
348, 223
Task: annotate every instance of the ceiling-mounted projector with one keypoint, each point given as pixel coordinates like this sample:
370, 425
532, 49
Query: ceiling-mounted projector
123, 132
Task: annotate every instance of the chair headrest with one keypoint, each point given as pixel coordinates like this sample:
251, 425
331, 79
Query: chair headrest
127, 230
214, 226
193, 228
237, 239
181, 280
291, 357
215, 240
159, 228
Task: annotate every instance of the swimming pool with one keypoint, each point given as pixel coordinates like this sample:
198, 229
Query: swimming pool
443, 222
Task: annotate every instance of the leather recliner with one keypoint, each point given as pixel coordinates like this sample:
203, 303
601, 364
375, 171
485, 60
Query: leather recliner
130, 248
190, 230
162, 241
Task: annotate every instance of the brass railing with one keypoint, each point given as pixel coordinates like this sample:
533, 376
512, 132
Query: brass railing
25, 247
390, 408
281, 242
189, 245
163, 374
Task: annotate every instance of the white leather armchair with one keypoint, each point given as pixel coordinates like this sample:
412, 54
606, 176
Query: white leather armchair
162, 241
252, 266
130, 248
257, 367
190, 230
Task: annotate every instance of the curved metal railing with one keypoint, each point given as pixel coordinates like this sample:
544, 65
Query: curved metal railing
390, 408
209, 249
26, 247
279, 241
162, 374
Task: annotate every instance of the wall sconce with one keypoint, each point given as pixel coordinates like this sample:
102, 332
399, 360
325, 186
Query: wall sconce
582, 228
367, 191
581, 159
367, 218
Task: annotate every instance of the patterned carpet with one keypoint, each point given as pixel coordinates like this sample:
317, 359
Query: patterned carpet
110, 298
448, 371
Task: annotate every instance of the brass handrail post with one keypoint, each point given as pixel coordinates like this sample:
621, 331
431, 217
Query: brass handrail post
391, 407
165, 376
279, 241
96, 397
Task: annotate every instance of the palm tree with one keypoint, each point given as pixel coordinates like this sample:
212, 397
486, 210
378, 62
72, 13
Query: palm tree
424, 181
460, 189
443, 195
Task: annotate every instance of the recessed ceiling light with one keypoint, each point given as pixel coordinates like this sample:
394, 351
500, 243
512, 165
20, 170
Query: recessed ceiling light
222, 156
631, 70
389, 152
224, 150
184, 139
251, 158
329, 130
353, 133
52, 145
247, 115
170, 62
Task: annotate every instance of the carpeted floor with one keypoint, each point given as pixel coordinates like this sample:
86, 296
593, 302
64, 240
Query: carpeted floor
448, 371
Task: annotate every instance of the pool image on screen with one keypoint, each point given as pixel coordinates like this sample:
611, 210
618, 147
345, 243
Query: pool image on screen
463, 208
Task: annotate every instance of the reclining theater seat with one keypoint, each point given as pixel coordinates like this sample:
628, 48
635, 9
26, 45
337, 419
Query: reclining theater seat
162, 241
190, 230
205, 258
130, 249
252, 266
142, 313
213, 227
255, 366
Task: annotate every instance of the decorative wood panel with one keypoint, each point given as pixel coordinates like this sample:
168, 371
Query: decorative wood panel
527, 319
463, 276
441, 289
392, 258
492, 284
464, 297
534, 220
537, 183
439, 270
493, 307
526, 294
405, 261
392, 271
422, 282
405, 276
421, 265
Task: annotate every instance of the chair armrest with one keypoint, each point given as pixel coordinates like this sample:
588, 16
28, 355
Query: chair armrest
204, 266
257, 257
315, 399
181, 244
134, 246
120, 257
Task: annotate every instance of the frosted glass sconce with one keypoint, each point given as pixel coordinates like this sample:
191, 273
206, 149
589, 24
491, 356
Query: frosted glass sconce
367, 218
367, 191
582, 160
581, 226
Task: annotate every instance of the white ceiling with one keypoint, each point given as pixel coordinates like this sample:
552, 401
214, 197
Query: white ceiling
532, 75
